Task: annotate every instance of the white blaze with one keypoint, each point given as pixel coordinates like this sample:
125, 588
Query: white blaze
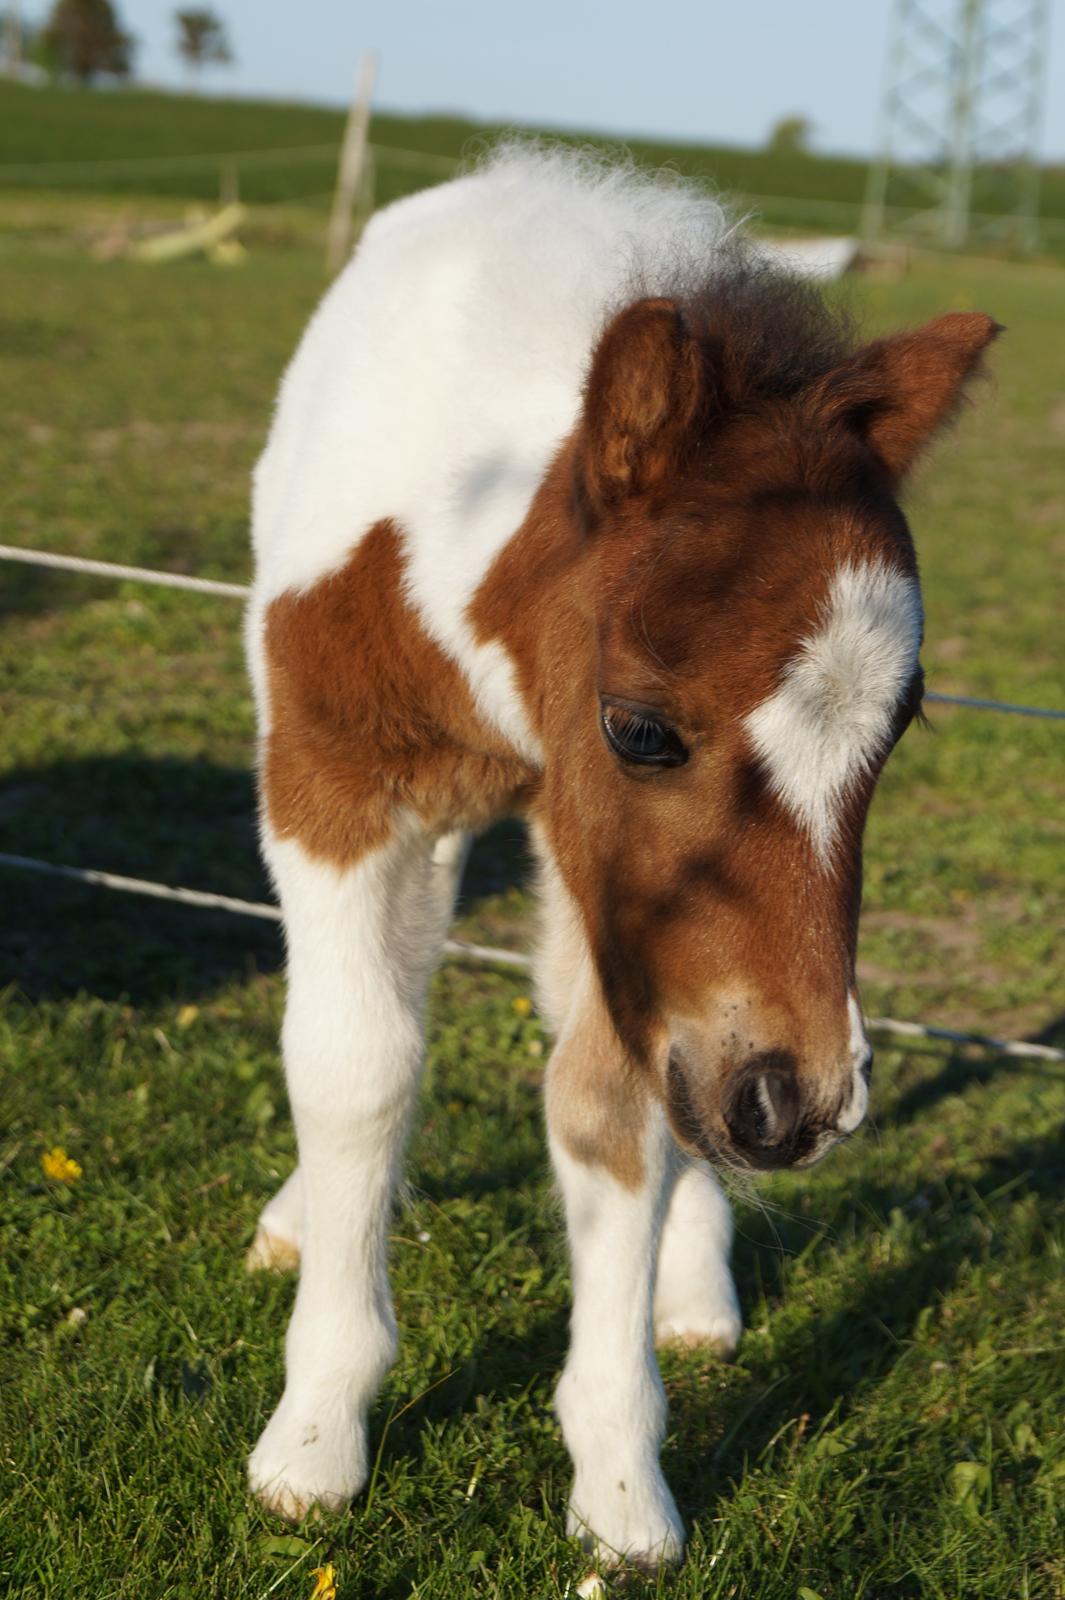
833, 711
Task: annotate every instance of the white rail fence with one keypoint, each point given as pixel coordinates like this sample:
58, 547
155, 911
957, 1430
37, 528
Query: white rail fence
455, 948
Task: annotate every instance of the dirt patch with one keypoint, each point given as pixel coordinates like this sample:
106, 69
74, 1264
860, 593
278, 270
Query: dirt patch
958, 939
957, 934
951, 649
104, 441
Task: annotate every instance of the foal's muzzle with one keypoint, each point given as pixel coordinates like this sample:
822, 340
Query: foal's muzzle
767, 1117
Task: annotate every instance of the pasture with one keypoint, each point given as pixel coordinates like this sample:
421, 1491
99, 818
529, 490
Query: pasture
893, 1425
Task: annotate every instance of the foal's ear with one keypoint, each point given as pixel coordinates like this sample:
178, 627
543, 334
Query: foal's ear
640, 399
898, 392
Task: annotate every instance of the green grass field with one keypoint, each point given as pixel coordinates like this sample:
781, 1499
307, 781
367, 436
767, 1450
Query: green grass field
893, 1426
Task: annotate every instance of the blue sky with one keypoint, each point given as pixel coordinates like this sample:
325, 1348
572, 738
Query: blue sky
696, 69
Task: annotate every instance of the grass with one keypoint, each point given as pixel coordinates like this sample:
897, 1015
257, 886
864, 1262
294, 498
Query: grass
893, 1424
55, 124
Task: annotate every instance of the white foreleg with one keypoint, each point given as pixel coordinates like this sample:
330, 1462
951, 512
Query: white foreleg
614, 1160
276, 1246
695, 1297
610, 1399
361, 944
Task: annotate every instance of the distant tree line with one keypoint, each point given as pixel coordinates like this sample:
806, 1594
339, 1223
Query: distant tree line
202, 40
86, 40
791, 136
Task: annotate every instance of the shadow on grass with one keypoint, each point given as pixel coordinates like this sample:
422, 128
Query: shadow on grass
187, 823
33, 591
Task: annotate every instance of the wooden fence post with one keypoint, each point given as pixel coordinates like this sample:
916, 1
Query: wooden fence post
228, 183
349, 172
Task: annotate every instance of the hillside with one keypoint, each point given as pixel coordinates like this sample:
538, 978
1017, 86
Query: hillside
71, 126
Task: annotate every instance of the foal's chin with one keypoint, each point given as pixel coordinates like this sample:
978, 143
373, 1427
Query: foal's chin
728, 1161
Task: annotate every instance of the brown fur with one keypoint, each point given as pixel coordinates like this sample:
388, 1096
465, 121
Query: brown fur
898, 392
367, 713
730, 456
642, 396
647, 855
675, 557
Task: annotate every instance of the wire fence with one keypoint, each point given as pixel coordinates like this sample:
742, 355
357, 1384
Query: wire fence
457, 949
240, 591
819, 213
211, 161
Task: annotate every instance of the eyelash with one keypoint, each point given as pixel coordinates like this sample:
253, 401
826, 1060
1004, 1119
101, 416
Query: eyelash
639, 738
912, 710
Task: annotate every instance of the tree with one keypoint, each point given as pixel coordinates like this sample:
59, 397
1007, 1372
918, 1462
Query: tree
202, 39
84, 39
791, 136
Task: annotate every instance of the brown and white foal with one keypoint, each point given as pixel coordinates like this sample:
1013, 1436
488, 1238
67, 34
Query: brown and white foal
572, 506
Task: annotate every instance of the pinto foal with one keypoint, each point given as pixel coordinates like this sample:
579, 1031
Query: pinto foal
570, 506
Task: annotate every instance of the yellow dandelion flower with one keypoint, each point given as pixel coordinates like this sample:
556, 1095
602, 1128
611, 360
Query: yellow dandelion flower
523, 1006
58, 1165
187, 1016
326, 1586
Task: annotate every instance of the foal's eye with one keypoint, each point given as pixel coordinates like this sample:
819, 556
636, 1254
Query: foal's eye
641, 737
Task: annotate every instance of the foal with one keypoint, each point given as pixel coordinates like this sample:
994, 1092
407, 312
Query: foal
570, 506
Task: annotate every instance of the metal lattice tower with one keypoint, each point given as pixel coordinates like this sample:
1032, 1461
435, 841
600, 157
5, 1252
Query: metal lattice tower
961, 123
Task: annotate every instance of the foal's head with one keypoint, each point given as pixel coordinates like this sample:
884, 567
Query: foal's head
751, 587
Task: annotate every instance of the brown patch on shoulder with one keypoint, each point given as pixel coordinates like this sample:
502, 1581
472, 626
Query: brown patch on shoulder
368, 713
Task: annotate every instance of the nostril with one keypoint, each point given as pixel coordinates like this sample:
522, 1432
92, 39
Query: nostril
778, 1095
751, 1118
865, 1066
764, 1106
780, 1099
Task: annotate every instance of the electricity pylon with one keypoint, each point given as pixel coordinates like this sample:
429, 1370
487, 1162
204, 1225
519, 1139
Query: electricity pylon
961, 123
12, 35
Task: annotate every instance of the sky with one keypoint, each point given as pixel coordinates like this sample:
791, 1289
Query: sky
698, 70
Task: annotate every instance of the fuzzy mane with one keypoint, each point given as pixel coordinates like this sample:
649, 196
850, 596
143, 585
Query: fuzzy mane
774, 332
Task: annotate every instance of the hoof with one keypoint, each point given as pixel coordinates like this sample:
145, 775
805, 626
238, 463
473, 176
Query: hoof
303, 1464
291, 1506
711, 1328
716, 1344
271, 1253
639, 1536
